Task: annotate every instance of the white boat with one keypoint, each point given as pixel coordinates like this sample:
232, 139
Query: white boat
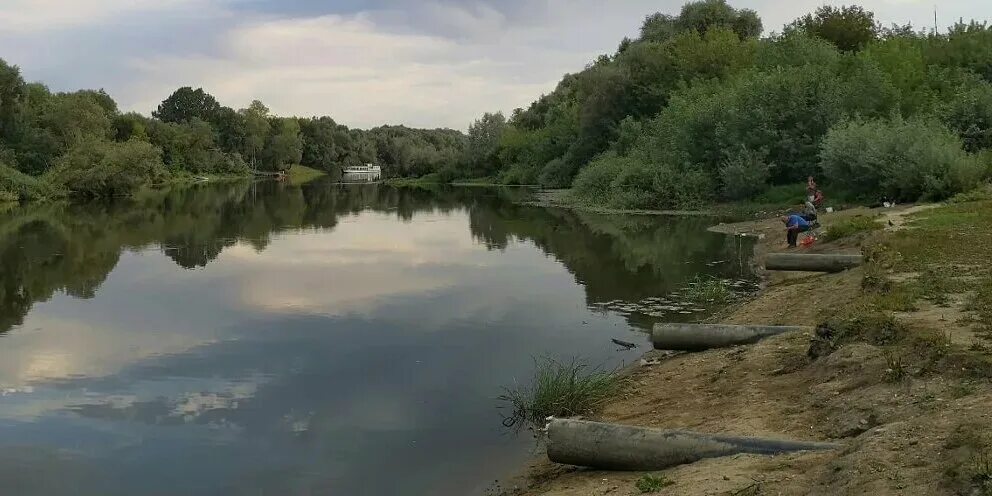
361, 173
363, 169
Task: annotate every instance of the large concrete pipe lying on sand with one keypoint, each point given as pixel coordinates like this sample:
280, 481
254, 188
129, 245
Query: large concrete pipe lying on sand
699, 337
622, 447
811, 262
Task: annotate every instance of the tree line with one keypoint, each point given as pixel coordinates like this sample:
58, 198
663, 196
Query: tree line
62, 143
699, 108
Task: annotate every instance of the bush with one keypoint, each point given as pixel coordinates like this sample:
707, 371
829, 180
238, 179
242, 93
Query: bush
904, 160
628, 182
744, 175
682, 189
561, 390
556, 174
969, 114
595, 182
97, 167
15, 185
518, 174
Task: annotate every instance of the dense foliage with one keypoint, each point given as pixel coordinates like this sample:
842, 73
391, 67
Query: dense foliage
699, 109
80, 143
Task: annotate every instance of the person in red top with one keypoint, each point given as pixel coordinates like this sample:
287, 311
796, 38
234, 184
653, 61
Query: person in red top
810, 187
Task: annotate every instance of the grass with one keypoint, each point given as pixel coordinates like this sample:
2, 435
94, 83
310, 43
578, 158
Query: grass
850, 227
981, 305
707, 289
428, 179
559, 389
476, 181
895, 368
652, 483
981, 472
300, 174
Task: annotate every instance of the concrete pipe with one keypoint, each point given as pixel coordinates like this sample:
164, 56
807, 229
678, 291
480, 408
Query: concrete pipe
811, 262
699, 337
622, 447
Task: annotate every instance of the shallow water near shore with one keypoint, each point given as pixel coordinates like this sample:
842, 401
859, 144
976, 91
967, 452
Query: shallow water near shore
266, 338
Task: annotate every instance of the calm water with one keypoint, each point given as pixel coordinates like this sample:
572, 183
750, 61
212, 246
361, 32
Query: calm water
268, 339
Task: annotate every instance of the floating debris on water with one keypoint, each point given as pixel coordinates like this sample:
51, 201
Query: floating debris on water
685, 301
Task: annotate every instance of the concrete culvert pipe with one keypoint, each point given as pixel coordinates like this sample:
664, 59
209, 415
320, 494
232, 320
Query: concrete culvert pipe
811, 262
699, 337
622, 447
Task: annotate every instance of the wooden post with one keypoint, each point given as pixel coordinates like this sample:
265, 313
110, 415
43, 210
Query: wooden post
622, 447
698, 337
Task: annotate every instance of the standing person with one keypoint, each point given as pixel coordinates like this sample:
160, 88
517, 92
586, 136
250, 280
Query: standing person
811, 188
794, 224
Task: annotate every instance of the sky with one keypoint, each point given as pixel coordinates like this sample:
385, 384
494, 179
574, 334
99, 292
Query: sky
422, 63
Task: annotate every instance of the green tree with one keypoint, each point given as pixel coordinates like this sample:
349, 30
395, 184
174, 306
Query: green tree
186, 104
131, 125
284, 146
484, 136
72, 117
967, 45
324, 143
257, 129
232, 130
850, 28
11, 91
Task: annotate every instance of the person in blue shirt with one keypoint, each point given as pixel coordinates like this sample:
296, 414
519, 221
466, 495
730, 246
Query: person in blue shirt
794, 224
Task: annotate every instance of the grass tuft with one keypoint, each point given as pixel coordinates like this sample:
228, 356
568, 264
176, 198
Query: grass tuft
981, 473
850, 227
895, 368
559, 389
708, 289
652, 483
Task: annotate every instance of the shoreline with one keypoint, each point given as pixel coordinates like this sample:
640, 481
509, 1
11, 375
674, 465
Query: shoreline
890, 428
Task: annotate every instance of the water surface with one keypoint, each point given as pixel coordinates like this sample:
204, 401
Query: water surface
271, 339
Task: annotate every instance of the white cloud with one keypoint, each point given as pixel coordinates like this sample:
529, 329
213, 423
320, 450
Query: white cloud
425, 63
347, 68
50, 15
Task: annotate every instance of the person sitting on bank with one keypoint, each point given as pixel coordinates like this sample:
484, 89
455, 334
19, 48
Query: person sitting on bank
794, 224
809, 213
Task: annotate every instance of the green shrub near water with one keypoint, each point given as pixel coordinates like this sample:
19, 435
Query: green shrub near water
627, 182
900, 159
96, 167
708, 289
744, 175
16, 186
559, 389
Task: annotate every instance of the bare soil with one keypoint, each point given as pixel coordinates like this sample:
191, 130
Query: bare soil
916, 434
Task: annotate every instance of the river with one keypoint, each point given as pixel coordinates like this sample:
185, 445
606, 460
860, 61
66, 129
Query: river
273, 339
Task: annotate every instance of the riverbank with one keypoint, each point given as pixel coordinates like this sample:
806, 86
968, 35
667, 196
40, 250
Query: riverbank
903, 381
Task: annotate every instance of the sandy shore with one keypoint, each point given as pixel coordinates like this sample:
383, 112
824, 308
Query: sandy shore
891, 432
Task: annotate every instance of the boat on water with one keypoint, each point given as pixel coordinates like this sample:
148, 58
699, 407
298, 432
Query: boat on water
362, 169
361, 173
